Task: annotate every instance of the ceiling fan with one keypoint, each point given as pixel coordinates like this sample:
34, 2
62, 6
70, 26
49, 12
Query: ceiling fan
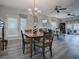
70, 14
58, 8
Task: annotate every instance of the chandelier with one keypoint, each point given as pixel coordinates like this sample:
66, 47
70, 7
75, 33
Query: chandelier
35, 10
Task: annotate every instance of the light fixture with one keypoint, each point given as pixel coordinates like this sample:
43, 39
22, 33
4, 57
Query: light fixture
39, 11
34, 12
35, 9
29, 9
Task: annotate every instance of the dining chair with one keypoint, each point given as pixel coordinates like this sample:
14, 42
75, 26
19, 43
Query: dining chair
4, 42
45, 42
0, 43
25, 41
28, 30
41, 30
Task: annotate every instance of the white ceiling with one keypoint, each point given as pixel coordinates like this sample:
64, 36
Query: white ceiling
44, 5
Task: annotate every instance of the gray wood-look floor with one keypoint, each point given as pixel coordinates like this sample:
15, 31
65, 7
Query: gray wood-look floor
67, 48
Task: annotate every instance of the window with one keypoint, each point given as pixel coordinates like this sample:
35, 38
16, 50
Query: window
12, 27
72, 27
23, 23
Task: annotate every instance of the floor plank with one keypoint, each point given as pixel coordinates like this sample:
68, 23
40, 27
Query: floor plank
62, 49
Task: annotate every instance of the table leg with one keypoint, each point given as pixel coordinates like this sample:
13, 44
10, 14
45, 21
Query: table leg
31, 48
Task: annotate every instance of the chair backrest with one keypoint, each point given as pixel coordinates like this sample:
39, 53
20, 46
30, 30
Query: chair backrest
41, 30
22, 37
49, 30
3, 34
48, 38
29, 30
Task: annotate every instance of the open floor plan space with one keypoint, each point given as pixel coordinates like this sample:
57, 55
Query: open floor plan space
39, 29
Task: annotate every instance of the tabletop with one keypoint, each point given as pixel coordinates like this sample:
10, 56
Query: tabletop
31, 34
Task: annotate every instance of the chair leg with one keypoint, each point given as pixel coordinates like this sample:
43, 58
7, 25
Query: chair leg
23, 48
43, 50
6, 43
34, 48
50, 50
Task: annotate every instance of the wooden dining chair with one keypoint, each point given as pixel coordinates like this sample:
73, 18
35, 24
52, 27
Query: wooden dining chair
41, 30
0, 43
25, 41
45, 42
28, 30
4, 42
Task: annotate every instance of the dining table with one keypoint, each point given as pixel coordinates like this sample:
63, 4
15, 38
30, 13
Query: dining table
33, 35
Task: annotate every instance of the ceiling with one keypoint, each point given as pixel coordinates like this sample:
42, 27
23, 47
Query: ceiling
44, 5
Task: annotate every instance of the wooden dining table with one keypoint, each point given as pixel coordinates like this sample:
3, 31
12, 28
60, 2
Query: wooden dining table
31, 35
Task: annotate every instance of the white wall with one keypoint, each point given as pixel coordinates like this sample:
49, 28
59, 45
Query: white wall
13, 12
55, 23
6, 12
51, 20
